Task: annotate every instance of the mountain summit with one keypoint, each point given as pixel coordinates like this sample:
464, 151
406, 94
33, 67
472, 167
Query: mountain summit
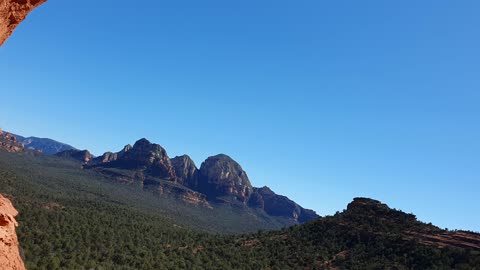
9, 143
146, 156
220, 175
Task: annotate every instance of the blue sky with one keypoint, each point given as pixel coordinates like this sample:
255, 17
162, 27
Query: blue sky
322, 101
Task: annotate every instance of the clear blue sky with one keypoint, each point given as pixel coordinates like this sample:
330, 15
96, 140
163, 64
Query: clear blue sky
320, 100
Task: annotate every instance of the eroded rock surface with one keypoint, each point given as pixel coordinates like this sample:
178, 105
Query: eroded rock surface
12, 13
9, 253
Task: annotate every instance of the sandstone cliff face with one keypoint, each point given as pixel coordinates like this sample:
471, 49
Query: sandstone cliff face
12, 13
9, 254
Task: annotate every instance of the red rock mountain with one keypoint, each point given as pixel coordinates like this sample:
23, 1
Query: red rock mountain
219, 179
9, 252
144, 156
220, 175
12, 13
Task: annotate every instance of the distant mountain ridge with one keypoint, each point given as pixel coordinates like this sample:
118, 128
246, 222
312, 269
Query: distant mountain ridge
46, 145
219, 179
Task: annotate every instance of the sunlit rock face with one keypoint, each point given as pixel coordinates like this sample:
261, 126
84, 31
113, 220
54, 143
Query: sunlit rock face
12, 13
9, 252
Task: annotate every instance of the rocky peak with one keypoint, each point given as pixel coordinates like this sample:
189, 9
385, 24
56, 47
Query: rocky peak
222, 176
12, 13
147, 150
9, 247
144, 156
186, 171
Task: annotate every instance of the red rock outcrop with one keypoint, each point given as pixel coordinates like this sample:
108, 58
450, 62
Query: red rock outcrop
12, 13
9, 143
9, 253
